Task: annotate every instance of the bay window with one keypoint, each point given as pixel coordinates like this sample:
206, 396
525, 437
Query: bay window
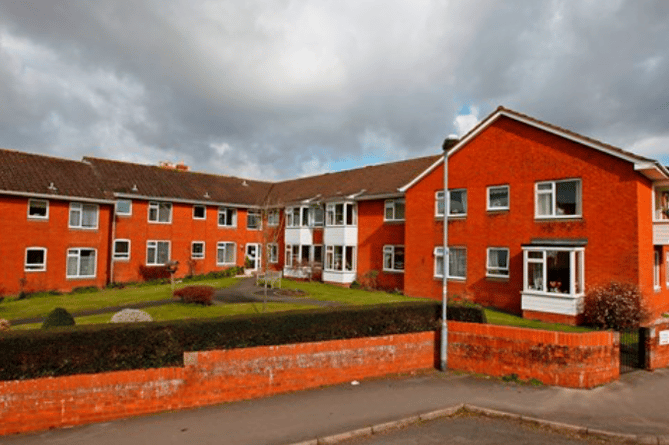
340, 258
339, 214
553, 270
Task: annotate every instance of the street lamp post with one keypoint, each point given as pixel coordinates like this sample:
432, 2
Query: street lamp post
448, 144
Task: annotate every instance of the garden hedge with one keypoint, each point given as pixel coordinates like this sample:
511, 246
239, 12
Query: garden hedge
111, 347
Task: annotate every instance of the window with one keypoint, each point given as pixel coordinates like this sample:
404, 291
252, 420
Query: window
225, 253
554, 270
498, 197
318, 255
197, 250
124, 207
292, 255
666, 275
558, 199
253, 220
341, 214
457, 262
80, 263
273, 218
157, 253
340, 258
273, 253
83, 216
457, 203
393, 258
35, 259
227, 217
498, 262
318, 216
38, 209
656, 270
122, 249
394, 210
199, 211
160, 212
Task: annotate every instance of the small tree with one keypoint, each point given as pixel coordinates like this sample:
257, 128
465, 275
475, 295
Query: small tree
270, 236
617, 306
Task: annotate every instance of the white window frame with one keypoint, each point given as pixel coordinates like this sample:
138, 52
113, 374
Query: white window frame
552, 193
197, 256
223, 211
35, 267
390, 206
490, 206
497, 271
257, 214
439, 253
273, 253
347, 208
76, 253
129, 212
273, 217
79, 207
123, 257
545, 283
154, 244
389, 252
45, 201
439, 202
666, 275
656, 270
331, 258
155, 206
225, 246
204, 208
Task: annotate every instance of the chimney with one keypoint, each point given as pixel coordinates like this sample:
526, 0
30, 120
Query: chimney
450, 142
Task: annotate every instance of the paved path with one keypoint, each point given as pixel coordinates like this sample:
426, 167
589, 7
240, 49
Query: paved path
637, 404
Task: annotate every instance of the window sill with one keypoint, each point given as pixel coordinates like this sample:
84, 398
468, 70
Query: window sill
392, 271
160, 222
39, 218
451, 217
121, 260
394, 221
83, 228
498, 278
454, 279
558, 218
34, 270
497, 210
539, 293
226, 227
80, 278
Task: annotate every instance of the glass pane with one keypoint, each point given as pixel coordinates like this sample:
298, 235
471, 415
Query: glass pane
457, 263
87, 263
230, 253
399, 210
499, 197
163, 253
339, 214
439, 266
535, 280
38, 208
338, 257
151, 254
566, 197
458, 202
90, 216
558, 270
544, 204
72, 264
440, 203
318, 216
123, 206
35, 259
153, 213
387, 258
350, 258
75, 217
350, 215
164, 211
578, 286
399, 258
389, 211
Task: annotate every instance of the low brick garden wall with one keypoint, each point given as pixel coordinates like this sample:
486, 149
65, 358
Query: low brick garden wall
210, 377
657, 346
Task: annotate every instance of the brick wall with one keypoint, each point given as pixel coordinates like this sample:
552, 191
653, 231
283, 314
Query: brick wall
209, 377
657, 355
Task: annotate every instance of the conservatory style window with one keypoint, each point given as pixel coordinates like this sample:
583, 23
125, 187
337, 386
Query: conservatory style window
553, 270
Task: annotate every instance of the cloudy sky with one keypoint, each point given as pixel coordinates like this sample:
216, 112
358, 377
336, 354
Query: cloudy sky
285, 88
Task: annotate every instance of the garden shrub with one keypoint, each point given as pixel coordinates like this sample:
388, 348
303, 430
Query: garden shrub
617, 306
58, 317
5, 325
130, 316
152, 273
196, 294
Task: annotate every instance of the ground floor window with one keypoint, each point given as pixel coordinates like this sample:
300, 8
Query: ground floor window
498, 262
122, 249
35, 259
80, 263
273, 253
457, 262
393, 258
554, 270
340, 258
197, 250
656, 270
157, 253
225, 253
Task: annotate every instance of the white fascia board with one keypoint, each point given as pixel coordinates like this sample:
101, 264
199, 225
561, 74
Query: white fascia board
426, 172
184, 201
380, 196
52, 196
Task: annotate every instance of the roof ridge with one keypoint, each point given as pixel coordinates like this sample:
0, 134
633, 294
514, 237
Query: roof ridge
39, 155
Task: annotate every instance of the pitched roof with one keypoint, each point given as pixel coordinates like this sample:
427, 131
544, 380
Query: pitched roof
26, 173
128, 179
366, 182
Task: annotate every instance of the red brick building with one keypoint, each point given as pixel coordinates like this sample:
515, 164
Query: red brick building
536, 213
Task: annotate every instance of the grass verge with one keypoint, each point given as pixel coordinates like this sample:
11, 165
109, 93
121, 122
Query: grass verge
502, 318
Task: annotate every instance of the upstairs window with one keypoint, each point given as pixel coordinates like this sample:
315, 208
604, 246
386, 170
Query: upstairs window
498, 198
160, 212
457, 203
227, 217
273, 218
35, 259
199, 211
124, 207
558, 199
339, 214
393, 258
394, 210
38, 209
83, 216
253, 220
318, 216
498, 262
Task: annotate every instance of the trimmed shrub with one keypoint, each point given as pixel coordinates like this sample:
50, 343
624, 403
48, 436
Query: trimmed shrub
196, 294
5, 325
58, 317
152, 273
617, 306
130, 316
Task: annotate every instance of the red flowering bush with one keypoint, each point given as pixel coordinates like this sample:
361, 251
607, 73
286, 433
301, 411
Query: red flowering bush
196, 294
616, 306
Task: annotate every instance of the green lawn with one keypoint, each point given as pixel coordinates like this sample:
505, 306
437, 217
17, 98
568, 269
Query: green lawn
502, 318
41, 305
330, 292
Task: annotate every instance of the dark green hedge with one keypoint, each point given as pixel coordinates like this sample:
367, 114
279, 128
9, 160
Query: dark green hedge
110, 347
